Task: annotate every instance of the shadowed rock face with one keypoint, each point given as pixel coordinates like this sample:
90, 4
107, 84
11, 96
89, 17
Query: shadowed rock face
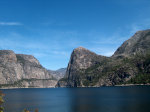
18, 70
129, 62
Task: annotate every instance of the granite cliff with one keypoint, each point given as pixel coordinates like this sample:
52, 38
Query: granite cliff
19, 70
81, 59
130, 64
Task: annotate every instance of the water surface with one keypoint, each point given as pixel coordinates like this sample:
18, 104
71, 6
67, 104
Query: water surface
103, 99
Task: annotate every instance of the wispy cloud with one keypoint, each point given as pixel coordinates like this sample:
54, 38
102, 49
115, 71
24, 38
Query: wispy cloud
53, 47
10, 24
22, 44
137, 26
108, 44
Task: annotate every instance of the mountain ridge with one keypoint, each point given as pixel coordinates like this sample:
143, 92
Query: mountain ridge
130, 64
126, 65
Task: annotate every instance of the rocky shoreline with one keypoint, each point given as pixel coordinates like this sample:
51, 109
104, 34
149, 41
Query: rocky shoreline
123, 85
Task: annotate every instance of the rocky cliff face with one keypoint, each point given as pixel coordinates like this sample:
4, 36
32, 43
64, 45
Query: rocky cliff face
18, 70
129, 64
32, 68
80, 60
10, 70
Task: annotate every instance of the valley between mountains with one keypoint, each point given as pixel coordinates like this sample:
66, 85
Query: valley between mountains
130, 64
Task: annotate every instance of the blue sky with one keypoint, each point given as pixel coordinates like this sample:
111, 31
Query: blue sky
51, 29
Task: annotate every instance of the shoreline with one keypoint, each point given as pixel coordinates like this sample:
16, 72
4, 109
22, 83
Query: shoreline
123, 85
24, 87
134, 85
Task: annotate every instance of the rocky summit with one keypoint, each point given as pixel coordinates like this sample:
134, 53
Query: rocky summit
130, 64
19, 70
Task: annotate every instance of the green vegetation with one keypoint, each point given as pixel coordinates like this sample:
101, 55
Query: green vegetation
136, 66
86, 83
63, 79
140, 79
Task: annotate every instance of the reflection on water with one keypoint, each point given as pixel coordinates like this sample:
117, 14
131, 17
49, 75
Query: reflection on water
104, 99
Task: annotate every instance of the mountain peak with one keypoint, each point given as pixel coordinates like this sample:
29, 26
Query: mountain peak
6, 52
7, 55
80, 48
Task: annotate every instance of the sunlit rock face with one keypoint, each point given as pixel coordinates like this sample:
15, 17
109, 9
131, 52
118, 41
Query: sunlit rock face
15, 69
32, 68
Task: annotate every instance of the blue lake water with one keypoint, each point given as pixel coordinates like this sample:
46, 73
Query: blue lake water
103, 99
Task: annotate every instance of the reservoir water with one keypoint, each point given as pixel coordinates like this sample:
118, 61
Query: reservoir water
103, 99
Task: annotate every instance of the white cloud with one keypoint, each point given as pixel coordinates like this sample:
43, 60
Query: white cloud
10, 24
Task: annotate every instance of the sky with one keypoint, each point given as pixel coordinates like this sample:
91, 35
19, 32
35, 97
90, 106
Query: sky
51, 29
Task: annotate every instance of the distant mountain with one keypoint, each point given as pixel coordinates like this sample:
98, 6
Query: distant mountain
19, 70
130, 64
58, 74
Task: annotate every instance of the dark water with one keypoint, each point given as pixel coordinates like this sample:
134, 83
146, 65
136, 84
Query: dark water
104, 99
